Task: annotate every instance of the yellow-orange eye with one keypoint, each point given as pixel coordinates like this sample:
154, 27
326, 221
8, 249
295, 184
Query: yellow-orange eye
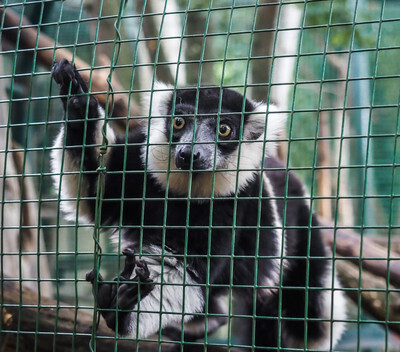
224, 130
179, 122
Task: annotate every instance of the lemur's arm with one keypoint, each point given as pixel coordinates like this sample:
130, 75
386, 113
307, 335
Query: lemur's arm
74, 164
75, 160
77, 105
75, 157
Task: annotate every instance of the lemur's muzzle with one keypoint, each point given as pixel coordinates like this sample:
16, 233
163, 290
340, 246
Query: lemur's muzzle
191, 158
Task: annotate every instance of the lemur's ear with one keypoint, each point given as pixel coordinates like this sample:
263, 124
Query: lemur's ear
156, 101
262, 115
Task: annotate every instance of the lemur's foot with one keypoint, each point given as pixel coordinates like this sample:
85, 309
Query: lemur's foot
116, 299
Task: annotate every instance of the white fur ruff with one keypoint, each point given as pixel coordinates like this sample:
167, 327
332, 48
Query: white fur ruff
229, 176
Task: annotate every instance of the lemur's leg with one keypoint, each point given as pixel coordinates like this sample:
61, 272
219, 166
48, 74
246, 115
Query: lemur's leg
115, 300
326, 305
196, 328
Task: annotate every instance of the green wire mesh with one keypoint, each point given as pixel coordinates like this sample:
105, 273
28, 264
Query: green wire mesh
331, 65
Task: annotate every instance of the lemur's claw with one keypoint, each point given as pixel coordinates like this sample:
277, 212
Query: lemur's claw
90, 276
130, 262
128, 252
63, 73
77, 104
142, 271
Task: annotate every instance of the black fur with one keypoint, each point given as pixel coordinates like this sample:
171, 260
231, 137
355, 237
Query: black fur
183, 227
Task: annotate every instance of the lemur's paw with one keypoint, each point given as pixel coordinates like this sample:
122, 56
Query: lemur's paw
130, 262
64, 73
142, 271
77, 103
90, 275
116, 299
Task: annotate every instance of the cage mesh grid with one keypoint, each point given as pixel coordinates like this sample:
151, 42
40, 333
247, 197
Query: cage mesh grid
29, 98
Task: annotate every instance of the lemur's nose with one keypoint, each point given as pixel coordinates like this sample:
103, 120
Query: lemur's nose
183, 158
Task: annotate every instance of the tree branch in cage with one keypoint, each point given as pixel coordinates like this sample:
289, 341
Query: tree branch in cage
359, 249
63, 327
372, 293
367, 272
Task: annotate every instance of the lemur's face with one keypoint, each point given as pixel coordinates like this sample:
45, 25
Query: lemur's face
204, 139
201, 141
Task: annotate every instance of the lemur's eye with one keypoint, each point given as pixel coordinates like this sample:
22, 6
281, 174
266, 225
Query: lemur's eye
224, 130
179, 122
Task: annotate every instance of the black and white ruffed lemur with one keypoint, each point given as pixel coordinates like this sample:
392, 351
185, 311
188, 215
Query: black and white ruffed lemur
198, 195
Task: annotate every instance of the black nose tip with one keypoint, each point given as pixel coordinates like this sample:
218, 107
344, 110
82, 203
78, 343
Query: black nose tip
184, 156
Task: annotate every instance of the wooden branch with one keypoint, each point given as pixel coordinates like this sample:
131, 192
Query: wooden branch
380, 301
37, 321
51, 322
368, 288
383, 241
47, 52
262, 48
151, 30
324, 179
373, 257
